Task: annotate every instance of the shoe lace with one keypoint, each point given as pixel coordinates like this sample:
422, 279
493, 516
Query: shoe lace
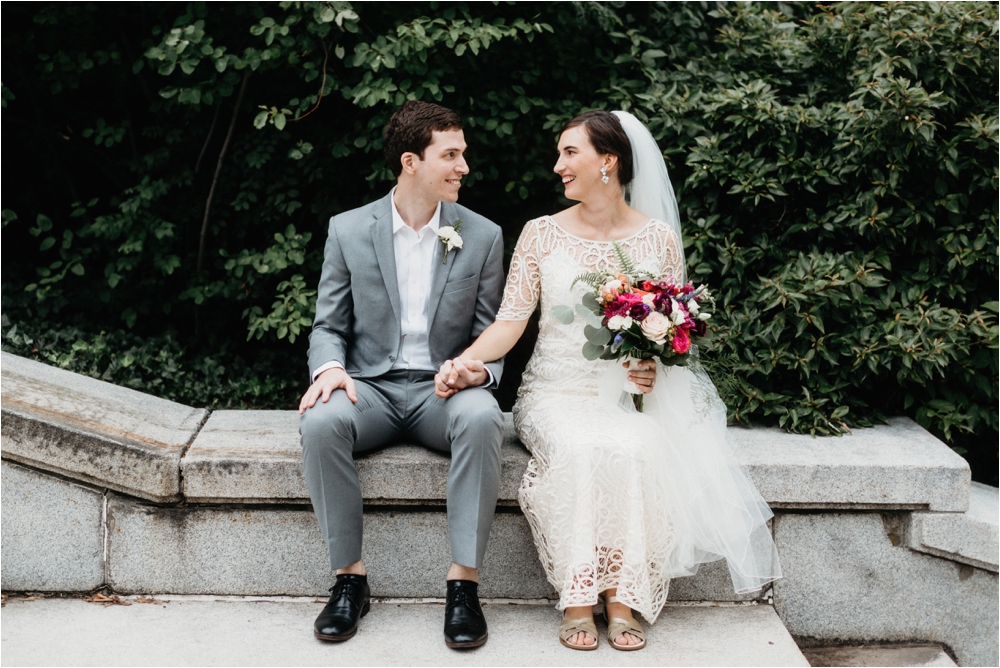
459, 595
342, 588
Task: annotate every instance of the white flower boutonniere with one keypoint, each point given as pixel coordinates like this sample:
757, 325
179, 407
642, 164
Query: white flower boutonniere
450, 238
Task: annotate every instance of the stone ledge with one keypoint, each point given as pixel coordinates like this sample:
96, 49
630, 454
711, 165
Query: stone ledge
94, 431
970, 537
894, 466
255, 457
132, 442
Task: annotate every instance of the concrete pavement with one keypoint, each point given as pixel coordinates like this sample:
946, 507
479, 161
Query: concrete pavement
186, 631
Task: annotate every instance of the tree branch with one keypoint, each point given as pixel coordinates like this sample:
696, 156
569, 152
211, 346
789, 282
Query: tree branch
218, 169
322, 85
204, 147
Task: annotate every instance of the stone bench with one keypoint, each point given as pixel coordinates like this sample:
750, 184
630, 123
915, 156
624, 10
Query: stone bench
880, 533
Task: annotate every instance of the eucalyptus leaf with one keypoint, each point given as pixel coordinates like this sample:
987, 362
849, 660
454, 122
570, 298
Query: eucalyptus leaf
592, 351
563, 314
597, 335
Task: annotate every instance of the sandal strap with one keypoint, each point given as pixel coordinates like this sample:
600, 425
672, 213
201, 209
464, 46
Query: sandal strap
618, 626
571, 627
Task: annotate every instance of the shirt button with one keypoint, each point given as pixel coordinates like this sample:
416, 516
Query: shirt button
392, 358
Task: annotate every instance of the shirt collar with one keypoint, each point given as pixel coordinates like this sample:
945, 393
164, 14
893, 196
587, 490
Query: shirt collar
397, 220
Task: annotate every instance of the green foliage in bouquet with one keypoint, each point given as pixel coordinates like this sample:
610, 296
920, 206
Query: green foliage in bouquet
174, 166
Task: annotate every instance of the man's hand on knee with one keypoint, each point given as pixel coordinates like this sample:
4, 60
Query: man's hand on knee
325, 385
456, 375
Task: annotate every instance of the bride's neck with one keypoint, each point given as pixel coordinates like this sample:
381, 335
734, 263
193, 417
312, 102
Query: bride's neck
606, 217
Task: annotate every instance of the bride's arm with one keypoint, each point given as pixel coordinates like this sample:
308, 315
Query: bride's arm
495, 341
521, 294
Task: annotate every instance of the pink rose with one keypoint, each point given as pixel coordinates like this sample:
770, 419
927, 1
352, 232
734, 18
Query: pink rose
682, 342
655, 327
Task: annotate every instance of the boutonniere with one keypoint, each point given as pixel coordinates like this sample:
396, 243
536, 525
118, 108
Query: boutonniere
450, 238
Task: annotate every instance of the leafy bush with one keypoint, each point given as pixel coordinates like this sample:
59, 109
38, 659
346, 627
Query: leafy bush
836, 169
158, 365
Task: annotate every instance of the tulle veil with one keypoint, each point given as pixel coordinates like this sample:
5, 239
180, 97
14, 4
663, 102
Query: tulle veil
719, 514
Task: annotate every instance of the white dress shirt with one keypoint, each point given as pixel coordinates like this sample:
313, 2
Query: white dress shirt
414, 253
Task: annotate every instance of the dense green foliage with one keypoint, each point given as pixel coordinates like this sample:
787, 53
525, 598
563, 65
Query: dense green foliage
170, 168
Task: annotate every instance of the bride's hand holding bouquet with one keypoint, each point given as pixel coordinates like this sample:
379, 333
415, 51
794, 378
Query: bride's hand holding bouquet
634, 315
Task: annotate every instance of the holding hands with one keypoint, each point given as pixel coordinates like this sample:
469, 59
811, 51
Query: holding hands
458, 374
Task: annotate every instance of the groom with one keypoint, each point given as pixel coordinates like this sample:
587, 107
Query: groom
408, 282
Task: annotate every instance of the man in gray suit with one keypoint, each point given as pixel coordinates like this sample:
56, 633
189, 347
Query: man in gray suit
408, 282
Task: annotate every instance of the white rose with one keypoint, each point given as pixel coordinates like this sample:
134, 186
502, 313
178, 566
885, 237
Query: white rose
450, 237
655, 327
647, 299
704, 316
676, 314
615, 323
626, 322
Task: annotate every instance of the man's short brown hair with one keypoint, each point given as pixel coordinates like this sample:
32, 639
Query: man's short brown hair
410, 130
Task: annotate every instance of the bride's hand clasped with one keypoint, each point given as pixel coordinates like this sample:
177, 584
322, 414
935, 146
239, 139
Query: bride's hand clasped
456, 375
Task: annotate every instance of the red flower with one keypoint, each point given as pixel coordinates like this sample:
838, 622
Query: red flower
682, 342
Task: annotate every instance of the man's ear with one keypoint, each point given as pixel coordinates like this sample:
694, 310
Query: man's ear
408, 162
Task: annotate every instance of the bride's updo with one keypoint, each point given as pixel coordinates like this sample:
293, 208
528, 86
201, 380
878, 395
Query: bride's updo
608, 138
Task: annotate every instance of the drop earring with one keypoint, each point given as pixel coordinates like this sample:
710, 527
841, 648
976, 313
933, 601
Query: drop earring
604, 175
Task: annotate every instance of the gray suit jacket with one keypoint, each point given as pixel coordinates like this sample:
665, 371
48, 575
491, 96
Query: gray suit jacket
357, 309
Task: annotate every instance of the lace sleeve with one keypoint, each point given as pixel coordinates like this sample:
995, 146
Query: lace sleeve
524, 280
673, 255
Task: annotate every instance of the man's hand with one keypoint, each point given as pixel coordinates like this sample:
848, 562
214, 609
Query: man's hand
644, 376
325, 385
456, 375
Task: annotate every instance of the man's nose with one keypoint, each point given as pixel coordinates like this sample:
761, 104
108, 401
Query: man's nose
462, 167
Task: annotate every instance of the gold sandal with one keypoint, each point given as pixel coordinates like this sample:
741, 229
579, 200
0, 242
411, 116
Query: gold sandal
618, 626
571, 627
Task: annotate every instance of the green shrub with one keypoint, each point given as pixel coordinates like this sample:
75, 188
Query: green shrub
836, 168
157, 365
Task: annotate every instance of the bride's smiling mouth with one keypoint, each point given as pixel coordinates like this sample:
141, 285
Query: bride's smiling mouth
568, 179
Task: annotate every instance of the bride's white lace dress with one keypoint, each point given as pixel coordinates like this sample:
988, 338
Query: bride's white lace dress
619, 499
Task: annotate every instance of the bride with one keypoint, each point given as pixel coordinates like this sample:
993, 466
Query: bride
619, 502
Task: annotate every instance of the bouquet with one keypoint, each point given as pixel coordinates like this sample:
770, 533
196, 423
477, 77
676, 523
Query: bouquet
635, 315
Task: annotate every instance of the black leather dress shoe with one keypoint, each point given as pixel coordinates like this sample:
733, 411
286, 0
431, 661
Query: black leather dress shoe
464, 623
350, 600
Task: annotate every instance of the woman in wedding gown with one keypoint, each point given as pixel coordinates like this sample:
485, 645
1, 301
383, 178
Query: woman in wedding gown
619, 502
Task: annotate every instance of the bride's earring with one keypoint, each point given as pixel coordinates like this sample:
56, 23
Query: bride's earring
604, 175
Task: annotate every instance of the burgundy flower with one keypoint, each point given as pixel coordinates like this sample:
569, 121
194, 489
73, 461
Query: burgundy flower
638, 312
700, 328
661, 303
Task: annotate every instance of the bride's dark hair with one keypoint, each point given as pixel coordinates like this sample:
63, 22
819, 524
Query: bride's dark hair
608, 138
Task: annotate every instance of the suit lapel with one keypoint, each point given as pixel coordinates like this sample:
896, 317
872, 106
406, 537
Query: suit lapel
382, 239
441, 269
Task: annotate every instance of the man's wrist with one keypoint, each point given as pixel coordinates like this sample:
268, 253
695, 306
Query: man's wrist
332, 364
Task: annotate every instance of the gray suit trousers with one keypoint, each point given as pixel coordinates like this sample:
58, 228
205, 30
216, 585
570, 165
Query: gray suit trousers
400, 405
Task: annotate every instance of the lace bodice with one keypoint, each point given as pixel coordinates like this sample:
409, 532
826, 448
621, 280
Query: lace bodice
655, 246
546, 261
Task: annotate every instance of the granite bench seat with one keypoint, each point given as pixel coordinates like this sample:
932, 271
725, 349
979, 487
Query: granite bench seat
162, 451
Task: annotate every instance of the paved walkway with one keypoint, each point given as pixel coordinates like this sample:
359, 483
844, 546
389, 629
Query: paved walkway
186, 631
